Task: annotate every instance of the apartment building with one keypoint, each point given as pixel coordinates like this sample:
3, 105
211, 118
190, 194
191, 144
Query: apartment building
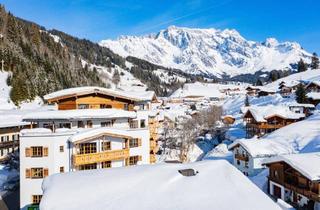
97, 132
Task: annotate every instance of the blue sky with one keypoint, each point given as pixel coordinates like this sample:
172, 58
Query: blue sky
286, 20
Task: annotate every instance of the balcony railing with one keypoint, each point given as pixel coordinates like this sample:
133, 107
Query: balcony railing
9, 144
241, 157
303, 191
100, 157
265, 126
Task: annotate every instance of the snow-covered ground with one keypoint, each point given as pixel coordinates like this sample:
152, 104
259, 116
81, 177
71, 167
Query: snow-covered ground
5, 101
216, 186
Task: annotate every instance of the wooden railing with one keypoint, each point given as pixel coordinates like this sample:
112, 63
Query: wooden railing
265, 126
306, 192
100, 157
9, 144
241, 157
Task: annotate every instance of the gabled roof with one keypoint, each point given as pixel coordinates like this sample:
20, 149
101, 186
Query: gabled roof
314, 95
306, 163
316, 83
262, 113
79, 114
261, 147
78, 91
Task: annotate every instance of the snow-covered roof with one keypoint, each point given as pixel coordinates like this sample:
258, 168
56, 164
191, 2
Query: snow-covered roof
95, 132
295, 104
306, 163
261, 147
217, 186
316, 82
197, 89
261, 113
130, 95
314, 95
79, 114
11, 119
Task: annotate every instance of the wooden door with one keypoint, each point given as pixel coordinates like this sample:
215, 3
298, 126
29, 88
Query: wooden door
277, 191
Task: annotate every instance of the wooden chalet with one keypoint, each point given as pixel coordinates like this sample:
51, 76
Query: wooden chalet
100, 98
252, 91
296, 179
262, 120
313, 87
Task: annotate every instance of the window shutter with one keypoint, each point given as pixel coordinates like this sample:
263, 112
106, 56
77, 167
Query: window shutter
139, 142
45, 172
28, 173
127, 161
45, 151
28, 152
140, 158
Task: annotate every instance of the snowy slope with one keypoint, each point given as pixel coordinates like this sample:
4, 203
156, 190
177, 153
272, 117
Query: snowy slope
5, 101
309, 75
209, 51
217, 186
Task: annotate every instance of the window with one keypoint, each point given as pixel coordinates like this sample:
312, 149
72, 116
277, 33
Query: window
65, 125
36, 151
105, 106
36, 173
83, 106
246, 164
15, 137
105, 145
61, 148
142, 123
61, 169
106, 124
133, 160
4, 138
89, 124
238, 162
80, 124
36, 199
133, 143
126, 107
106, 164
87, 148
133, 123
88, 167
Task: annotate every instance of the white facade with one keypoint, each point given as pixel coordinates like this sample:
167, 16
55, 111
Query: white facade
252, 166
59, 147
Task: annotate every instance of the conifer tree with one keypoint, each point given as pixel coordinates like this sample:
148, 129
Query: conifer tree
301, 94
246, 102
302, 66
314, 61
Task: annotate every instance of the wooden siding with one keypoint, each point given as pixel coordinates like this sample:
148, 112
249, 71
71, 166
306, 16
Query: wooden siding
94, 101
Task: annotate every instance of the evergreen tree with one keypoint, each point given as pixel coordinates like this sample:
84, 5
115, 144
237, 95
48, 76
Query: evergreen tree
259, 82
314, 61
301, 94
302, 66
116, 77
246, 102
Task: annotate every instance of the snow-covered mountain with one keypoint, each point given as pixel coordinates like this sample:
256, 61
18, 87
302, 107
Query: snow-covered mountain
209, 51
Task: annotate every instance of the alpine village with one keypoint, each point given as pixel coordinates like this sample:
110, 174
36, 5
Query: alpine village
186, 118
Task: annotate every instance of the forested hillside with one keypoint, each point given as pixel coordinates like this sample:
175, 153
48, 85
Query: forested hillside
41, 61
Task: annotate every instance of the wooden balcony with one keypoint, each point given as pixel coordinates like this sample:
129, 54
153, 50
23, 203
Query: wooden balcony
9, 144
303, 191
242, 157
265, 126
100, 157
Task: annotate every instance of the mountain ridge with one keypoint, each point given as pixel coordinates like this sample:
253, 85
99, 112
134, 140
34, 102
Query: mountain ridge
211, 52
